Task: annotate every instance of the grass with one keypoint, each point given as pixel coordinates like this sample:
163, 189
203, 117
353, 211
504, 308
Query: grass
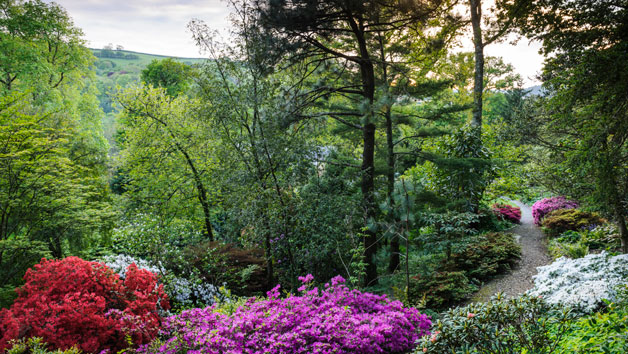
145, 58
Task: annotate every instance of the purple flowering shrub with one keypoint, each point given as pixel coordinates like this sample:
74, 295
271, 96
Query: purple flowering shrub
333, 320
544, 206
507, 212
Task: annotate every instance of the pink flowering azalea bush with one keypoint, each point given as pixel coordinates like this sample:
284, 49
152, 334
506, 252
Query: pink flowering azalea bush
333, 320
544, 206
507, 212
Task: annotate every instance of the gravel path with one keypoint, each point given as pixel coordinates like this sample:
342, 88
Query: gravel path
533, 254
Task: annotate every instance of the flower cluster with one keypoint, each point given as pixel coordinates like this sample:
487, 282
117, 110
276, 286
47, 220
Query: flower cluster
333, 320
182, 291
582, 283
187, 293
72, 302
544, 206
507, 212
120, 262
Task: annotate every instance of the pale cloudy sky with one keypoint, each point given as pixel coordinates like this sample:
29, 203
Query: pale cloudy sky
160, 27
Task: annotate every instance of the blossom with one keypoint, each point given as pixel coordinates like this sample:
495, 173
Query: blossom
581, 283
334, 320
544, 206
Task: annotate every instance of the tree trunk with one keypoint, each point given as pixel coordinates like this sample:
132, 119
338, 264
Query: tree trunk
368, 195
202, 194
623, 231
367, 73
478, 79
393, 263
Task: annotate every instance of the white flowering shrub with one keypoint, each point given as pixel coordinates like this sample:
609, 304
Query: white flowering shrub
582, 283
120, 262
182, 292
189, 293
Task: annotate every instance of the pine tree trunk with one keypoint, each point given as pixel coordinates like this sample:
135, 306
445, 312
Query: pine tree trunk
393, 263
367, 185
623, 231
478, 79
368, 196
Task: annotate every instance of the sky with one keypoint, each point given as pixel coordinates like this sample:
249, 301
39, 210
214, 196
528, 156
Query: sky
160, 27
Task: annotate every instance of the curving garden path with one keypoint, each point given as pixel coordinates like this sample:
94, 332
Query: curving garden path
533, 254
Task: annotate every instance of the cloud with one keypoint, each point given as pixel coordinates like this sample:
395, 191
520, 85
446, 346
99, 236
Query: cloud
152, 26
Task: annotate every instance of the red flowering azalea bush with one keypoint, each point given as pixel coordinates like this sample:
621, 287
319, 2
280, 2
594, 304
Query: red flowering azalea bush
9, 329
545, 206
507, 212
72, 302
333, 320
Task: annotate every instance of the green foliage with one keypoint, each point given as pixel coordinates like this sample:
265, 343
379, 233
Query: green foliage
603, 237
580, 125
519, 325
558, 248
170, 74
166, 156
156, 240
559, 221
17, 254
602, 332
486, 255
242, 271
440, 290
576, 244
36, 345
53, 192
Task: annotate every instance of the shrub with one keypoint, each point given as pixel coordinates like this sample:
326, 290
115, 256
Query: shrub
602, 237
487, 220
559, 221
518, 325
486, 255
601, 332
243, 271
545, 206
9, 328
36, 345
183, 292
507, 212
334, 320
598, 333
558, 248
582, 283
440, 289
75, 302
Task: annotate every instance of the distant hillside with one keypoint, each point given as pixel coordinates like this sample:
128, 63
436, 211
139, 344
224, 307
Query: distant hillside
536, 90
121, 68
123, 57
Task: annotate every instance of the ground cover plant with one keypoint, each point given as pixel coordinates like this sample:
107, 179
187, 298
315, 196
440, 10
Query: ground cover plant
72, 302
330, 320
582, 283
605, 331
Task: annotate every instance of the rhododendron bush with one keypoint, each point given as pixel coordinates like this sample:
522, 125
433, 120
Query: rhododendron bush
545, 206
72, 302
507, 212
333, 320
582, 283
